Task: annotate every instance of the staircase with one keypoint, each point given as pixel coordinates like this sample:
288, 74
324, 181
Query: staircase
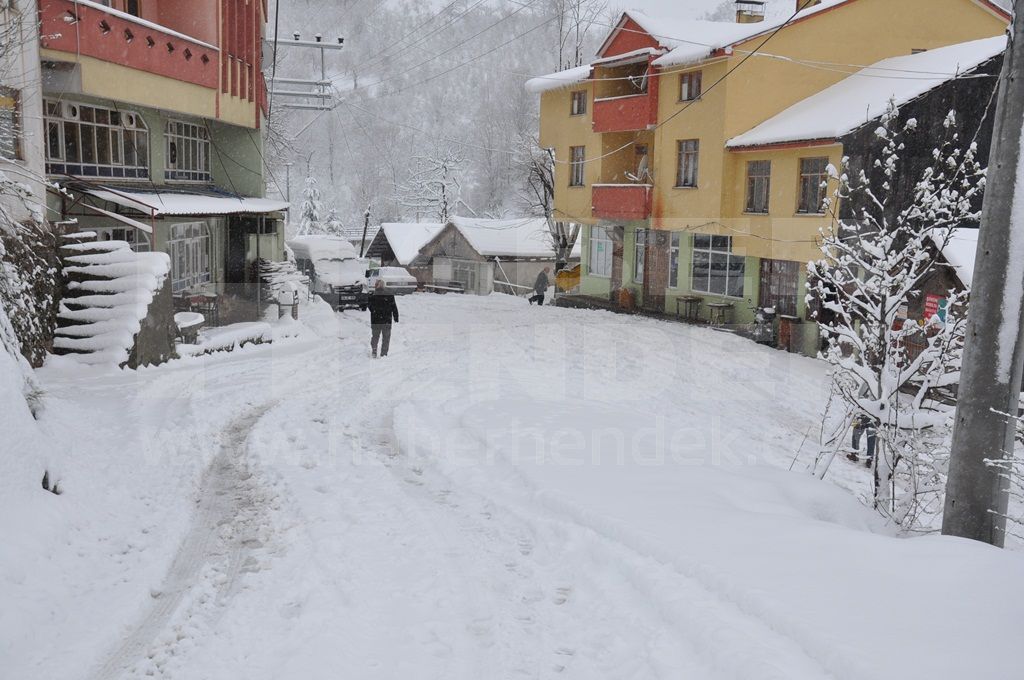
108, 295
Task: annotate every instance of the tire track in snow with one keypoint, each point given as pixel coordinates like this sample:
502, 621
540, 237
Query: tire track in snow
207, 565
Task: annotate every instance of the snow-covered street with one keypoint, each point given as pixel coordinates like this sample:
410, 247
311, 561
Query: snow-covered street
514, 492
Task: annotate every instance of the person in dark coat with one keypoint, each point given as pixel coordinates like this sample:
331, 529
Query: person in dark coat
540, 287
382, 310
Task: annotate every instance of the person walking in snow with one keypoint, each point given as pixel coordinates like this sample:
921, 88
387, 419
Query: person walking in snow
863, 425
382, 310
540, 287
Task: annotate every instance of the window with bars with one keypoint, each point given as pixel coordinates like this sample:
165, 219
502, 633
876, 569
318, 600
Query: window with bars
601, 249
95, 141
813, 182
779, 285
186, 151
639, 255
690, 86
716, 269
578, 157
578, 105
686, 172
10, 123
759, 182
189, 248
673, 260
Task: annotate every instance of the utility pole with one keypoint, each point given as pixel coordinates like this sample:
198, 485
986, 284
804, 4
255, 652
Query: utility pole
976, 493
366, 227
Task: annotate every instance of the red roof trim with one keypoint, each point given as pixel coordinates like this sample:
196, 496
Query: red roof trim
611, 34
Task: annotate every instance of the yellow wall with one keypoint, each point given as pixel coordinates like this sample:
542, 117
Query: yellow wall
112, 81
782, 234
860, 32
559, 131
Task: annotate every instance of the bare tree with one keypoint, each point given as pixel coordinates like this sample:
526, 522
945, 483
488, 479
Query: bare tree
434, 186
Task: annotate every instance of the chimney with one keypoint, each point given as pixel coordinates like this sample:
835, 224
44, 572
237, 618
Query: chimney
749, 11
804, 4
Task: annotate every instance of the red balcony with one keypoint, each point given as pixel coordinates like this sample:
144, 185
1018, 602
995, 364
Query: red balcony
95, 31
625, 114
622, 201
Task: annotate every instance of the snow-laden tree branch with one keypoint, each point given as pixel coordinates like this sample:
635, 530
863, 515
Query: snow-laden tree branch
896, 373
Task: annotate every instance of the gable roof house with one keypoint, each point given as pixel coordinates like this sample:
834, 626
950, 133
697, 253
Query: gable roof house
695, 150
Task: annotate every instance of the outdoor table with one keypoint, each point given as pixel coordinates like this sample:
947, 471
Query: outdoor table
688, 307
188, 324
719, 312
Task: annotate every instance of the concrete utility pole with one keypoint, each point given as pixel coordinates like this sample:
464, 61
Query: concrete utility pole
976, 494
366, 227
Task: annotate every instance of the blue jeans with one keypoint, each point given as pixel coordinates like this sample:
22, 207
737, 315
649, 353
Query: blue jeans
858, 430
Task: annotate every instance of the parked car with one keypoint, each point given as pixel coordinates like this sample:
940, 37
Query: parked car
336, 273
397, 280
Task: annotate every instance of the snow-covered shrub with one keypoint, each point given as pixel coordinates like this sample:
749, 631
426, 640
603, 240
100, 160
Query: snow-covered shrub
30, 282
874, 264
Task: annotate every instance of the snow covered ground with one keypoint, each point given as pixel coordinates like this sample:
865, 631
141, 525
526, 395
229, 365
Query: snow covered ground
514, 492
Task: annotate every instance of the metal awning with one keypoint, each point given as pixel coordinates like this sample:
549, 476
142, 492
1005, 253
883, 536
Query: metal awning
120, 218
156, 203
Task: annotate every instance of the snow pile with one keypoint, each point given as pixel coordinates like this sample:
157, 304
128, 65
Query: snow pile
406, 238
867, 94
237, 335
104, 309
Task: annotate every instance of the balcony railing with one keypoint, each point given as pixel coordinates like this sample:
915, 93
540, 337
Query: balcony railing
625, 114
92, 30
622, 201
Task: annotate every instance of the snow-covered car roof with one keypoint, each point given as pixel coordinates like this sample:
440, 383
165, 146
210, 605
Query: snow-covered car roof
322, 247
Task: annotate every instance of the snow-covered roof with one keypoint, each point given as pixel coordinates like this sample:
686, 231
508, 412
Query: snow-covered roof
524, 237
406, 238
556, 81
693, 40
865, 95
322, 247
185, 203
960, 253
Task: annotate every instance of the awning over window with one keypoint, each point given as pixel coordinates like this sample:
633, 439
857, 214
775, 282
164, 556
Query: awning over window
120, 218
182, 203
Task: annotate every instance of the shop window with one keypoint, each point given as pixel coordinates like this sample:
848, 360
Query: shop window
716, 269
601, 247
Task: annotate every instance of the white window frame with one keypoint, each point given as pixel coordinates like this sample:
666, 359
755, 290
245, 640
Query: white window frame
691, 86
639, 255
124, 142
11, 147
601, 253
758, 186
577, 166
189, 246
716, 249
190, 143
673, 259
807, 183
578, 103
136, 238
688, 163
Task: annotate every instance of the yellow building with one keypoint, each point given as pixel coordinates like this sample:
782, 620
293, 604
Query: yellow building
648, 141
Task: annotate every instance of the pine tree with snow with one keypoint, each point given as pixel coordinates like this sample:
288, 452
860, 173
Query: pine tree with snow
312, 208
332, 224
884, 367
